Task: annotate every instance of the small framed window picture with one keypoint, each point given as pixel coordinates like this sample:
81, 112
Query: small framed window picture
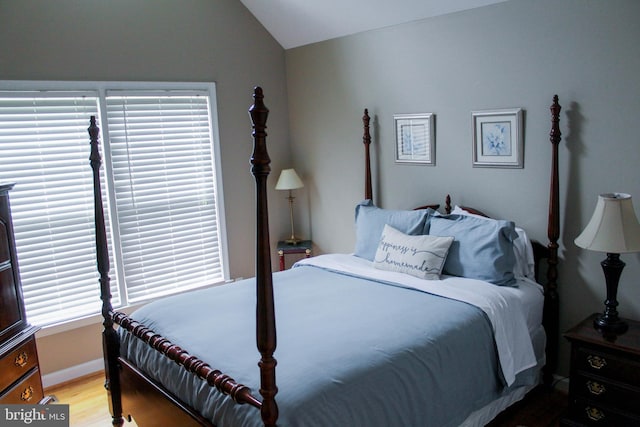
415, 142
498, 138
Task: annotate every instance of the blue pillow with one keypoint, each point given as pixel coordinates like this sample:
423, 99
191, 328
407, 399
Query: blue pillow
370, 221
481, 250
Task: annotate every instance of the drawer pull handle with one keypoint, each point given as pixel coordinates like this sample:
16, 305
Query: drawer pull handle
27, 394
21, 359
594, 414
595, 388
596, 362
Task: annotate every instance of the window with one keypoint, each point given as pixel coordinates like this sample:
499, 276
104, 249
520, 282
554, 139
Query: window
162, 192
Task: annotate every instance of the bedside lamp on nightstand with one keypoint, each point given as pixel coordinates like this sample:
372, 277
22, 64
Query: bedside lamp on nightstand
289, 180
613, 229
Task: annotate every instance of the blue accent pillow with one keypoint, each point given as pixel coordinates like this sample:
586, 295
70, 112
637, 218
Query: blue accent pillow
370, 221
481, 250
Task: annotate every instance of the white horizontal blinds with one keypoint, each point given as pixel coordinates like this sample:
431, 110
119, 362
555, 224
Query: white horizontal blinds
164, 184
163, 192
44, 149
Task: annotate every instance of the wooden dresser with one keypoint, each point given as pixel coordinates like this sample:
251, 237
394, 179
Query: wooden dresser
20, 381
604, 389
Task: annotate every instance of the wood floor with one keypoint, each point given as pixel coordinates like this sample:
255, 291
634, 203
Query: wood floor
88, 406
540, 408
87, 400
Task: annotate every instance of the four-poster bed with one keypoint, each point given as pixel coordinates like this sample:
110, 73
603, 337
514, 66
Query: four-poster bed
358, 362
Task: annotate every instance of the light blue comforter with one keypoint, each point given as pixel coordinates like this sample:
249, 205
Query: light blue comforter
351, 352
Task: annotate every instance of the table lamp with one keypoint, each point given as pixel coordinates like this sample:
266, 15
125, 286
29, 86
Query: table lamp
613, 229
289, 180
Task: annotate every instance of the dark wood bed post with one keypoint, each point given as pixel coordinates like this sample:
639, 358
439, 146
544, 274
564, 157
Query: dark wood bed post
447, 204
110, 341
551, 306
366, 139
265, 314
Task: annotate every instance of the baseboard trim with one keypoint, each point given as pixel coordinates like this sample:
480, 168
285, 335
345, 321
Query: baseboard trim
69, 374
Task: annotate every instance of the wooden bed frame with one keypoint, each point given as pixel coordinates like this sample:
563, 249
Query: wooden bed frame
151, 404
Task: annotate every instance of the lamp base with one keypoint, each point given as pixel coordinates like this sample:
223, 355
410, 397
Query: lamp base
609, 322
293, 241
608, 325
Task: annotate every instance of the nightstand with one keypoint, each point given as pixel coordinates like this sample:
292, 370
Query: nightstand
604, 388
302, 247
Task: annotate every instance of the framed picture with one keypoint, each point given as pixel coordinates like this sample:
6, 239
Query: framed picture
498, 138
415, 142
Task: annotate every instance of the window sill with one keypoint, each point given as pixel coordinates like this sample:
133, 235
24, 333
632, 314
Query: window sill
94, 319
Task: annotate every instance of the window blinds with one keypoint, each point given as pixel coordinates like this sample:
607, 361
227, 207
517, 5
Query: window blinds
44, 150
160, 195
162, 160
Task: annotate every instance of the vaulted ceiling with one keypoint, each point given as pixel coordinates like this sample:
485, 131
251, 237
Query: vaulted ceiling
296, 23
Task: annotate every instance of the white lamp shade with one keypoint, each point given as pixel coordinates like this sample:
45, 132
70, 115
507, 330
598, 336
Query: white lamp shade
289, 180
613, 228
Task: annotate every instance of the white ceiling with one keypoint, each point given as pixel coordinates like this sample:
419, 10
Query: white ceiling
296, 23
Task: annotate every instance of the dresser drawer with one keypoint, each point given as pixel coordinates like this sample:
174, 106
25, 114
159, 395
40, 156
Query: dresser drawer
609, 365
27, 391
17, 363
603, 392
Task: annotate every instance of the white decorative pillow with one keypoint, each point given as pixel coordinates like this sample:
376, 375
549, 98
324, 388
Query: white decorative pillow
420, 256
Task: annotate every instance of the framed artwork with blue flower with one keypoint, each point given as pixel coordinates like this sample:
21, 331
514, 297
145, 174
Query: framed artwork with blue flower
415, 140
498, 138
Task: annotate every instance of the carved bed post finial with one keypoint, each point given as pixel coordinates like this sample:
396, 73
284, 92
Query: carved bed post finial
552, 307
447, 204
366, 139
553, 231
265, 314
100, 231
110, 341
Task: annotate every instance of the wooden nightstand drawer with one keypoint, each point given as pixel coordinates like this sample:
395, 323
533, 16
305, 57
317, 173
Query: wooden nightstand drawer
17, 363
593, 414
608, 364
603, 392
27, 391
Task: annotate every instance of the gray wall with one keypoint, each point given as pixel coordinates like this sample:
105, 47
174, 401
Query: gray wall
161, 40
514, 54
